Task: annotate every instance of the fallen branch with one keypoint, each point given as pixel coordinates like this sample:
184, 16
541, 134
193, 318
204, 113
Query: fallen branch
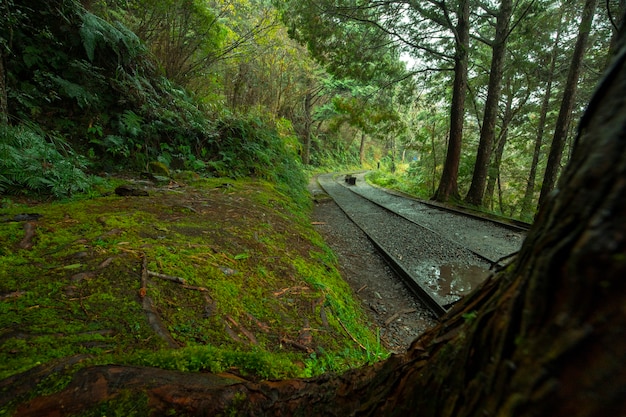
14, 294
264, 327
192, 287
106, 262
243, 330
361, 289
398, 314
167, 277
297, 345
350, 334
232, 333
177, 280
290, 290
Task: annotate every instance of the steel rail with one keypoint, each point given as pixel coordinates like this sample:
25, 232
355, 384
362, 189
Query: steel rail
411, 282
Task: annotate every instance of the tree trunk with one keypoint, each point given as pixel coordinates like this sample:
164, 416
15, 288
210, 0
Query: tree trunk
4, 102
433, 136
487, 133
4, 107
362, 149
308, 121
448, 186
494, 172
529, 194
616, 15
565, 113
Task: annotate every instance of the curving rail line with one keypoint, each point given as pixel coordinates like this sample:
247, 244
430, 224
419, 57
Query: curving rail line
414, 238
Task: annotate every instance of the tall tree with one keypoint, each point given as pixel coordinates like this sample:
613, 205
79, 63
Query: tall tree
6, 39
448, 185
353, 37
529, 192
494, 171
567, 104
543, 336
488, 131
4, 108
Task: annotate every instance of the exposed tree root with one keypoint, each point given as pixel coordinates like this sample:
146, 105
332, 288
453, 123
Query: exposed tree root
29, 234
153, 318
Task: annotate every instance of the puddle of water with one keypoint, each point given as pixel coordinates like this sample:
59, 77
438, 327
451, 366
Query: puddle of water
452, 280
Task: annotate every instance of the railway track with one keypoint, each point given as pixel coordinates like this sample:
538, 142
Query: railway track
440, 255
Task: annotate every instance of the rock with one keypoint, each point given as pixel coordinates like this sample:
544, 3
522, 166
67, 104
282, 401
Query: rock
129, 191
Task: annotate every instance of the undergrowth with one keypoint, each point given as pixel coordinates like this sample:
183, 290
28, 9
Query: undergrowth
28, 161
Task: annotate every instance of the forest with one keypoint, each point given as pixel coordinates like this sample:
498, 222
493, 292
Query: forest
511, 107
473, 102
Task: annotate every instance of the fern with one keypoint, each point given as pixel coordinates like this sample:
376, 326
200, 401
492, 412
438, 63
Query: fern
96, 32
28, 161
75, 91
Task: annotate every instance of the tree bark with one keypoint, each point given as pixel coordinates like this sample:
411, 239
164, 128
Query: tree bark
4, 101
488, 132
494, 172
448, 185
308, 122
362, 149
567, 104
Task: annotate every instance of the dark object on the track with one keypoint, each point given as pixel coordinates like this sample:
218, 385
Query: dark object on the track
350, 179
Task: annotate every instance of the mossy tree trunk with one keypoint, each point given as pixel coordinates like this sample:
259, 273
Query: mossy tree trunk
546, 336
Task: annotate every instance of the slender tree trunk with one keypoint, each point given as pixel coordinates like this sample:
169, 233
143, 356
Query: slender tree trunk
616, 15
542, 337
565, 113
434, 154
448, 186
527, 200
487, 134
362, 149
494, 171
308, 121
4, 102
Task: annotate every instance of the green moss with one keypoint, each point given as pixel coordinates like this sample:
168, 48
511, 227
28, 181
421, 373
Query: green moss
250, 260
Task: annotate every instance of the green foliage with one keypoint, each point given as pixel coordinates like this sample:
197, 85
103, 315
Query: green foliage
28, 161
213, 359
96, 32
251, 146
